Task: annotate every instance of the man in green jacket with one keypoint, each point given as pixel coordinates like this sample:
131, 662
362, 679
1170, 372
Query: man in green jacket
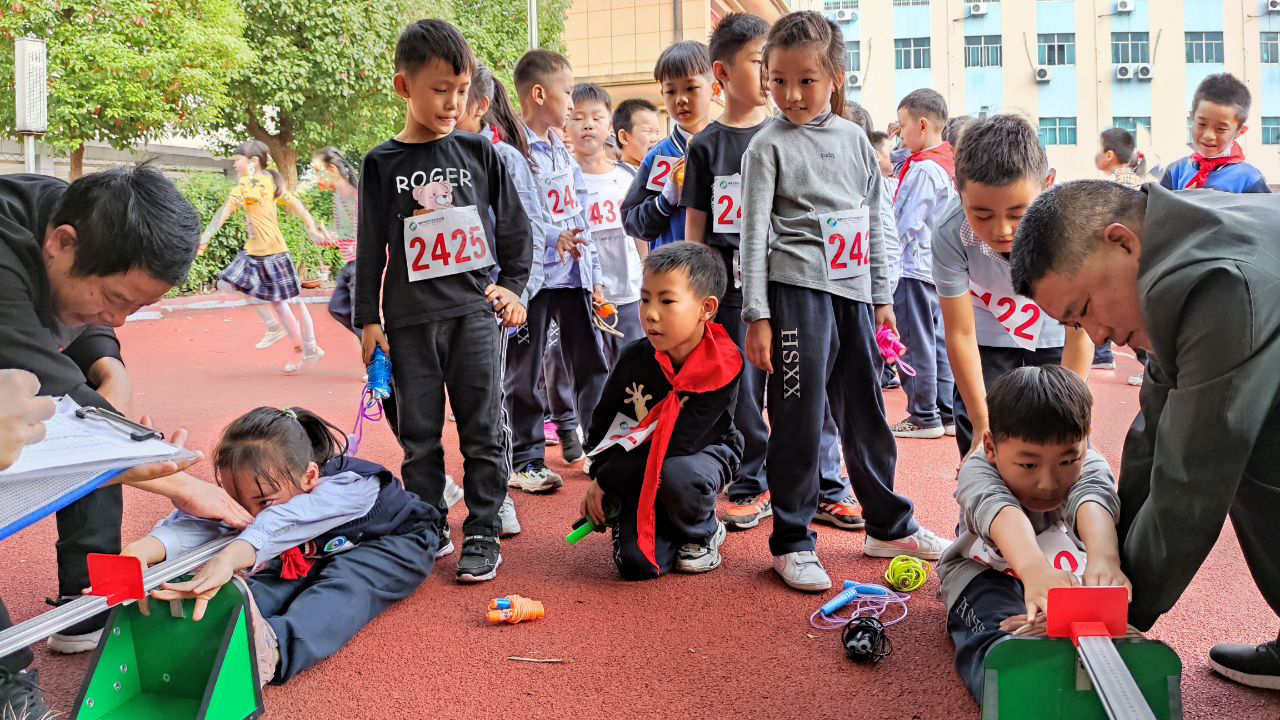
1194, 279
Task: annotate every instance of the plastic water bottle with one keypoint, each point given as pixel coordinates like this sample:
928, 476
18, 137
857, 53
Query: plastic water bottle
380, 375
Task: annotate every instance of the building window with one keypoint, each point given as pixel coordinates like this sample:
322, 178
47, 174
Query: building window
907, 3
1204, 47
1057, 48
1271, 131
830, 5
1130, 47
911, 53
1271, 47
853, 62
1131, 123
1057, 131
982, 51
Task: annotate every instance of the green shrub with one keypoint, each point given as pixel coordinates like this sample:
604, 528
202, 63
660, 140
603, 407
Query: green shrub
208, 191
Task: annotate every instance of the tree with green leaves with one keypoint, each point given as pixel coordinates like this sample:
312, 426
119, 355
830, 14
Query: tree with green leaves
499, 31
128, 71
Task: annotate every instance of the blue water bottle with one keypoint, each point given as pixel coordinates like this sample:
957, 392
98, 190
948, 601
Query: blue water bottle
380, 375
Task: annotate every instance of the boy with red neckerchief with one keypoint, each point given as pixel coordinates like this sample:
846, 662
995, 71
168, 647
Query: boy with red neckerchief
1219, 110
663, 435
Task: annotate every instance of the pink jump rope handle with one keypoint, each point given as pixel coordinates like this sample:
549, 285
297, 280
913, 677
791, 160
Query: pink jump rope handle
892, 349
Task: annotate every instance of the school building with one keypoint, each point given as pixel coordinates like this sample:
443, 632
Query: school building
1076, 67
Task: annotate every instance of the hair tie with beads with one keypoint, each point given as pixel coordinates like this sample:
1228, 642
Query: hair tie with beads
289, 412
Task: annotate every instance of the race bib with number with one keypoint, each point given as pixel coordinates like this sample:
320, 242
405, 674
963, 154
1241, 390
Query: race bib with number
1056, 544
846, 240
623, 432
1019, 316
560, 195
604, 211
660, 173
726, 204
445, 242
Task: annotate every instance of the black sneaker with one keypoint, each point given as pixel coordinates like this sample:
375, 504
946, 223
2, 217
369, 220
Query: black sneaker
1253, 665
480, 559
445, 548
81, 637
20, 697
571, 446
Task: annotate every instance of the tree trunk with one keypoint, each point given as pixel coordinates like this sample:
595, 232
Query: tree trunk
279, 145
77, 162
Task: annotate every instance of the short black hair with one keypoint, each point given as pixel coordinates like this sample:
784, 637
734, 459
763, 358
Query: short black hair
1224, 89
954, 129
703, 266
858, 115
687, 58
624, 116
926, 103
1119, 141
1066, 224
1000, 150
128, 218
536, 67
591, 92
733, 32
877, 139
431, 39
1046, 404
275, 446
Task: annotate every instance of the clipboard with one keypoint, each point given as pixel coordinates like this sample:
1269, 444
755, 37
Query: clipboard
84, 449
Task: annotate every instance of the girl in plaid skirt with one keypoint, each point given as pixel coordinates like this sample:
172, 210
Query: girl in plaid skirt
263, 270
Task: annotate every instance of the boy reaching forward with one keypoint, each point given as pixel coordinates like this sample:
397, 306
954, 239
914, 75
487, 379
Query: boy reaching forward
663, 431
1031, 507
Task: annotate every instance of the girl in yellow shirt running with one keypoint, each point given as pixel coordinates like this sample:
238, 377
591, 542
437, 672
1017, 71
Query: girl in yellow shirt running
264, 270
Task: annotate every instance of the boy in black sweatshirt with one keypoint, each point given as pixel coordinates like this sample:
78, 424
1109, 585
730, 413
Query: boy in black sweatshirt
425, 198
663, 435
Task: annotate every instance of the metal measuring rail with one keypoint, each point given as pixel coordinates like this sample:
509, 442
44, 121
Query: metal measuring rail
1112, 680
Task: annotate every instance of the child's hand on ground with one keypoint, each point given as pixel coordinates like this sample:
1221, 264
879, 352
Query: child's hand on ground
885, 316
593, 504
506, 305
568, 244
760, 345
372, 337
1037, 583
1105, 571
203, 587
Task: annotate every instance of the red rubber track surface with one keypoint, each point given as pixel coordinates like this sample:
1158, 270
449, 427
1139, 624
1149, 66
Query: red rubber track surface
734, 642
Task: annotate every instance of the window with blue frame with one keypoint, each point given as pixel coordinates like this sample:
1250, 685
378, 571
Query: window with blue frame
1131, 122
911, 53
830, 5
853, 62
1056, 48
1130, 47
1204, 47
1057, 131
1271, 131
1271, 47
982, 51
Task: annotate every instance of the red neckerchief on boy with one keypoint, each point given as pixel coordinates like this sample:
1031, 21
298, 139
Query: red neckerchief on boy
294, 563
1205, 165
711, 366
495, 135
943, 154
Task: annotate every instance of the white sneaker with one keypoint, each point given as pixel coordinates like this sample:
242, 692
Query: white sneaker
452, 492
802, 570
921, 544
72, 644
694, 558
312, 356
908, 429
1135, 380
507, 514
446, 542
271, 338
950, 430
535, 477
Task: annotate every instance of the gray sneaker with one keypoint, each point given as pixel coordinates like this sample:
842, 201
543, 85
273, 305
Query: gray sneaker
507, 514
694, 558
802, 570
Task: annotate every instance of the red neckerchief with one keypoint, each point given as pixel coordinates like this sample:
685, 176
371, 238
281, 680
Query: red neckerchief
1205, 165
294, 563
712, 365
495, 134
942, 154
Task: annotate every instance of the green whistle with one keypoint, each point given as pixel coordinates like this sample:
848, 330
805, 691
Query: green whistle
581, 529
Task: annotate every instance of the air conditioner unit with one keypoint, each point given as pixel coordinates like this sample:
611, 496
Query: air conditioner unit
846, 15
1273, 6
977, 9
1044, 73
853, 79
1124, 6
1124, 72
1142, 71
